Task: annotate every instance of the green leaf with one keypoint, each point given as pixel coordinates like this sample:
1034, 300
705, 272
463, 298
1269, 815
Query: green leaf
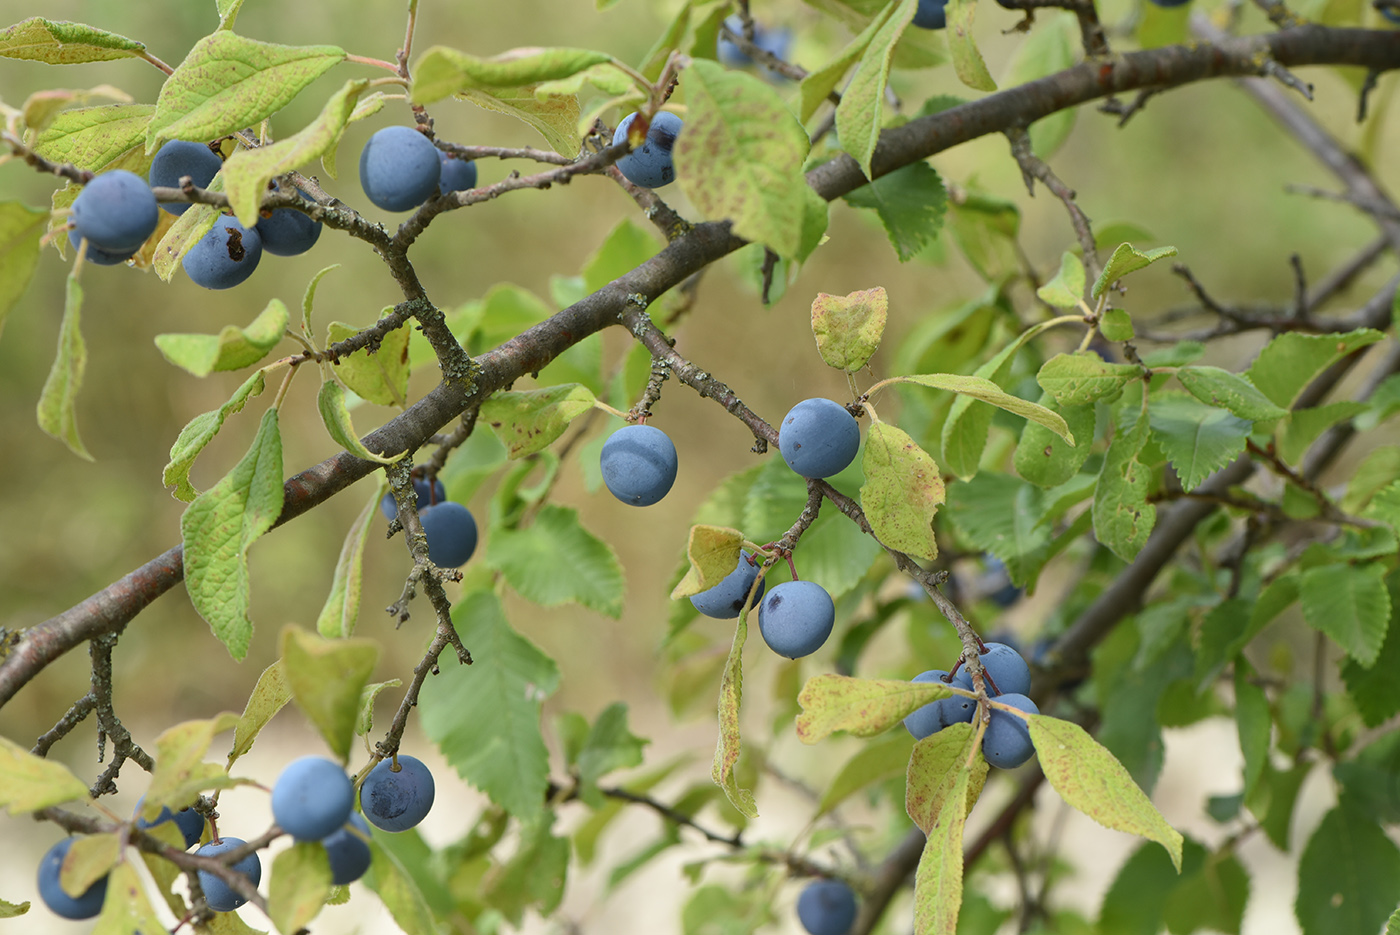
269, 696
730, 744
247, 172
530, 421
1127, 259
1045, 459
231, 349
627, 246
980, 388
938, 766
999, 514
967, 60
9, 910
1116, 325
821, 82
364, 721
29, 783
859, 115
229, 82
1213, 898
199, 432
441, 71
556, 561
534, 876
848, 328
300, 885
873, 763
1376, 471
326, 678
1123, 519
1138, 897
335, 414
228, 12
1084, 377
1302, 427
398, 890
740, 156
486, 719
609, 745
21, 227
97, 139
1351, 604
902, 491
985, 228
187, 231
61, 43
59, 396
378, 375
1232, 391
1374, 689
181, 773
863, 707
221, 525
911, 203
1090, 780
938, 881
1347, 874
1254, 723
713, 553
556, 118
1289, 362
1197, 439
126, 908
1066, 290
342, 606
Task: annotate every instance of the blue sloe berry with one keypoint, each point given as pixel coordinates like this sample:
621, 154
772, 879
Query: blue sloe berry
396, 801
726, 599
827, 907
52, 893
427, 494
1007, 669
796, 617
451, 531
288, 232
458, 175
818, 438
936, 715
177, 159
312, 798
638, 464
1007, 743
348, 850
224, 257
777, 40
96, 254
650, 165
399, 168
189, 821
931, 14
219, 895
116, 211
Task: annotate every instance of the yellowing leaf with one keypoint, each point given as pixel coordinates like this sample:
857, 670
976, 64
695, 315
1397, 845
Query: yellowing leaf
199, 432
863, 707
300, 883
714, 553
530, 421
988, 392
342, 606
336, 416
326, 678
29, 783
20, 230
1091, 780
232, 348
58, 399
902, 491
728, 748
181, 773
859, 115
380, 374
938, 882
967, 60
848, 327
1066, 290
269, 696
555, 117
60, 43
442, 71
126, 908
937, 766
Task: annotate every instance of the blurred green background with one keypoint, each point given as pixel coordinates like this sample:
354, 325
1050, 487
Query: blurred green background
1201, 168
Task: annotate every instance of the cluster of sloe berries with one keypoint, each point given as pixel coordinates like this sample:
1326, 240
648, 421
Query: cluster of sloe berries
449, 526
1007, 742
400, 169
312, 800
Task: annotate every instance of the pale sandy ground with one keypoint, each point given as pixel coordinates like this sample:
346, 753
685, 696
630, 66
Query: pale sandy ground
649, 902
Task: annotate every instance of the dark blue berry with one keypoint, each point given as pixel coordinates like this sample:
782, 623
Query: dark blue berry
458, 175
638, 464
451, 531
224, 257
288, 232
650, 165
116, 212
177, 159
396, 801
399, 169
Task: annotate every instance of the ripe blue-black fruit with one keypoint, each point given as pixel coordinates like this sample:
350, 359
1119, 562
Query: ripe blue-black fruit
777, 40
638, 464
451, 531
726, 599
288, 232
189, 821
219, 895
1007, 743
796, 618
818, 438
312, 798
1168, 4
936, 715
1390, 13
931, 14
650, 165
225, 257
399, 168
827, 907
397, 801
177, 159
116, 212
51, 892
458, 175
1007, 669
348, 850
427, 494
96, 254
